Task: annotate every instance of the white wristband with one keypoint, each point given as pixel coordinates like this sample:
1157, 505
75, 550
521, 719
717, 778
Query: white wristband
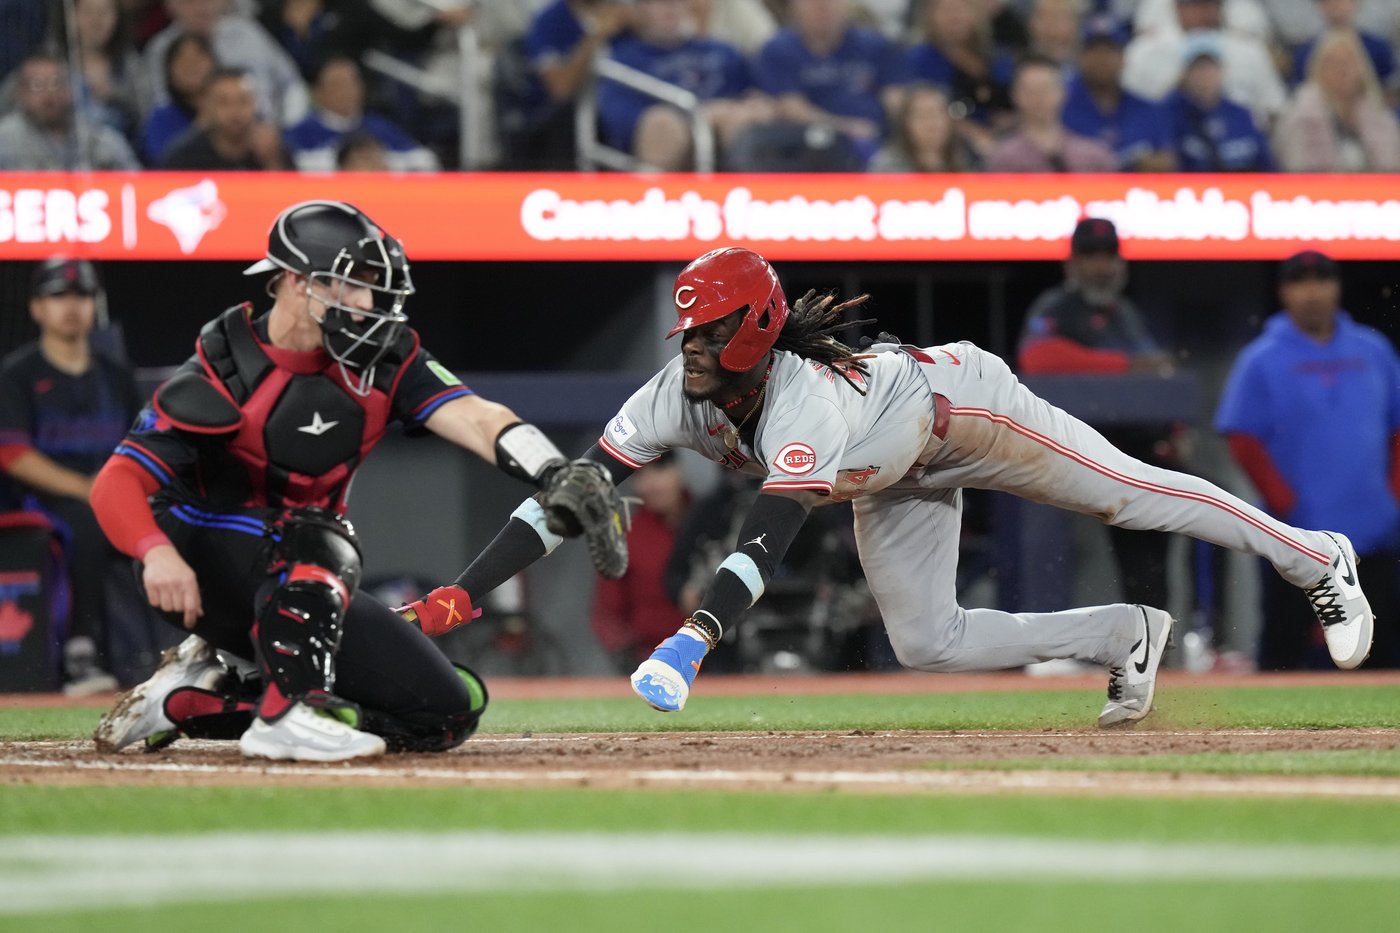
530, 450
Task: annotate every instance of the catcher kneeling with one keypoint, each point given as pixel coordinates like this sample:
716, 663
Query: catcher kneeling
231, 489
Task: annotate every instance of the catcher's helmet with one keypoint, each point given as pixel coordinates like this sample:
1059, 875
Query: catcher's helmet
722, 282
336, 245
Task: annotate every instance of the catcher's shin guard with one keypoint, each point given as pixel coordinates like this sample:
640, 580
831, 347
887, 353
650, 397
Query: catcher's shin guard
317, 567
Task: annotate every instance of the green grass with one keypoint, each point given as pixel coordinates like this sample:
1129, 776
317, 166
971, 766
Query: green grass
1011, 904
43, 810
964, 907
1178, 708
1005, 905
1375, 762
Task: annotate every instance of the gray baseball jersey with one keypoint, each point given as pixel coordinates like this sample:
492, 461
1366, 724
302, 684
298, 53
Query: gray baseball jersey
816, 431
930, 422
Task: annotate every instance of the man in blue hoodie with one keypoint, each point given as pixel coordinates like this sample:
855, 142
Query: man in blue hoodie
1312, 415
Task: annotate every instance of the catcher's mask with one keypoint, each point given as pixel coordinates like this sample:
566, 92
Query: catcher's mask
722, 282
338, 248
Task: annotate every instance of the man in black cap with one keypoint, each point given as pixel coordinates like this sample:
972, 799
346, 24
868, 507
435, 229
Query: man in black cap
64, 405
1311, 412
1088, 326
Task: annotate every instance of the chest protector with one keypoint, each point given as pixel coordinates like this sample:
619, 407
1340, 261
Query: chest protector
301, 434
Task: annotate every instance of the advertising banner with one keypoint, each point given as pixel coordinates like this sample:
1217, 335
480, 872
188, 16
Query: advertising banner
606, 217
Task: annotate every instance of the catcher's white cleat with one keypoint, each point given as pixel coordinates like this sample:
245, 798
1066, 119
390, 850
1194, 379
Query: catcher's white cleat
306, 734
140, 712
1131, 686
1341, 607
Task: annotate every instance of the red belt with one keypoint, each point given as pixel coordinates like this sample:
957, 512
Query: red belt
942, 410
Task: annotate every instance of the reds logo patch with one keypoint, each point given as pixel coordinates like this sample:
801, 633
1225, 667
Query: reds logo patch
796, 458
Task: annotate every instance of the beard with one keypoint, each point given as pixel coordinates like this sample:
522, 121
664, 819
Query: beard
1103, 293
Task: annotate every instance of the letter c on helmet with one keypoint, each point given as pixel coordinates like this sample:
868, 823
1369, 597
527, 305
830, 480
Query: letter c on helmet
685, 304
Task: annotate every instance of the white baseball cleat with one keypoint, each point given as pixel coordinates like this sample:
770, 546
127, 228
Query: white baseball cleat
140, 712
1341, 607
1131, 687
306, 734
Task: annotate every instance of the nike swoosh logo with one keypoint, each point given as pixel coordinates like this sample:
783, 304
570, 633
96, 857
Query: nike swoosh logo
1146, 642
1347, 575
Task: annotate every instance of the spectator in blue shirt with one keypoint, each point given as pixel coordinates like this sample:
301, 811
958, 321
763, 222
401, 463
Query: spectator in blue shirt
1098, 107
958, 54
1210, 132
715, 72
823, 70
1341, 14
563, 39
538, 79
189, 63
1312, 415
338, 96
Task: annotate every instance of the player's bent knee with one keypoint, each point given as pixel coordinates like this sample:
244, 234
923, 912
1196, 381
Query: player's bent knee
930, 649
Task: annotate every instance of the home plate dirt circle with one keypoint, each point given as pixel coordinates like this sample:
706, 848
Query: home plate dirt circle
851, 761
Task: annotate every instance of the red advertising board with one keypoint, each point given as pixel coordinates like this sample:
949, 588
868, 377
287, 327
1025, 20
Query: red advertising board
488, 216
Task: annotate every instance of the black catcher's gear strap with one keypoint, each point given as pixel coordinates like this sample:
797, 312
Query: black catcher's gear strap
767, 532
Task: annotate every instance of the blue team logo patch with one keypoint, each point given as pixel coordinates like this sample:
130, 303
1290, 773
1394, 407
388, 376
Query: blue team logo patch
146, 421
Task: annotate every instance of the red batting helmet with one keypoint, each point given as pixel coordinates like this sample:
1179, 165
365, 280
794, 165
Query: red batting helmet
722, 282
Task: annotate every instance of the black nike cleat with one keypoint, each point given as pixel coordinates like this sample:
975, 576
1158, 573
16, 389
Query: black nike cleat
1131, 686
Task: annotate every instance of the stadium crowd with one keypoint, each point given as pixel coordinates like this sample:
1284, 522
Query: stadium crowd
785, 85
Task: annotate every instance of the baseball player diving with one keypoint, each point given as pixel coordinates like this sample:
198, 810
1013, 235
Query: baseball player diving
762, 387
231, 488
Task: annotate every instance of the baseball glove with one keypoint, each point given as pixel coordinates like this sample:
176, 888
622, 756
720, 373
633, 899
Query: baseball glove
579, 499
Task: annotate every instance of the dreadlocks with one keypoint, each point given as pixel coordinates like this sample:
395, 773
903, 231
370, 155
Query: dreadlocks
808, 330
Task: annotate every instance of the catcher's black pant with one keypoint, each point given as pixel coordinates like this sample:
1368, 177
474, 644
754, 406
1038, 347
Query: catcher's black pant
389, 668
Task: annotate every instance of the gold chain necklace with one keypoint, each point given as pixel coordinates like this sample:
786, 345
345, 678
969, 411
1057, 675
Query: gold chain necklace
730, 432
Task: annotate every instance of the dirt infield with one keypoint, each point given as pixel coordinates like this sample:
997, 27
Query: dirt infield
861, 761
857, 761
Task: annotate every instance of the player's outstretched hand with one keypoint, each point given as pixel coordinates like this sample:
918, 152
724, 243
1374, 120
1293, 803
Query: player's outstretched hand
579, 499
440, 611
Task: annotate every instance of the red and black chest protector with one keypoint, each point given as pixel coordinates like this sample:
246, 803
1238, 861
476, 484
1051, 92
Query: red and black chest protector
303, 432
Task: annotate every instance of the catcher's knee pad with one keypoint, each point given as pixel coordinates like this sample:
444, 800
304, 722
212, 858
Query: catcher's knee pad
319, 538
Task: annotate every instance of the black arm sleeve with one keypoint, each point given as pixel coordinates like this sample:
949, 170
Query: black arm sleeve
517, 545
766, 534
618, 470
514, 548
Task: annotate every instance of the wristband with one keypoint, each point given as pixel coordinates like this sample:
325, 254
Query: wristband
524, 452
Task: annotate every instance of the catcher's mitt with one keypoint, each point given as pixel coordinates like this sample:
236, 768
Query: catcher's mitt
579, 499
